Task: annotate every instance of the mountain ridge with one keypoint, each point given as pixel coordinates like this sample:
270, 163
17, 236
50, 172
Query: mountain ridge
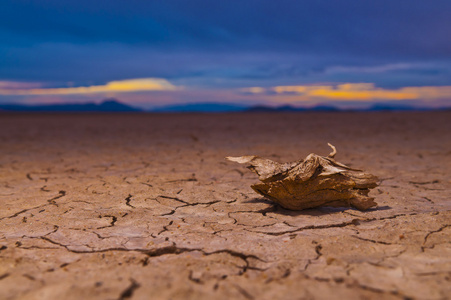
108, 105
113, 105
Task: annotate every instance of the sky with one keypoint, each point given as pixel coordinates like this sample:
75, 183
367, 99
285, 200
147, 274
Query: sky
249, 52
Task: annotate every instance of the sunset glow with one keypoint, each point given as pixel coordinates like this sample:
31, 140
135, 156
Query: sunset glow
120, 86
356, 92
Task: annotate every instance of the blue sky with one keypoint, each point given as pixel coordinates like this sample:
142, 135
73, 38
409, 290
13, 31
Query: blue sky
154, 53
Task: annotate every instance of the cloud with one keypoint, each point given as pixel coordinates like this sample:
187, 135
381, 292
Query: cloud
119, 86
354, 92
356, 26
223, 45
18, 85
372, 69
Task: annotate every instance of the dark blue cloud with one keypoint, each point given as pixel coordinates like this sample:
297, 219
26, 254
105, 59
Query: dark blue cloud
414, 27
242, 42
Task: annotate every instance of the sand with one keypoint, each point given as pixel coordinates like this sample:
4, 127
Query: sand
144, 206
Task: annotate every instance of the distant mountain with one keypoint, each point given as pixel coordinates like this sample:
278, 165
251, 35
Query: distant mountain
224, 107
108, 105
263, 108
287, 108
394, 107
112, 105
201, 107
327, 108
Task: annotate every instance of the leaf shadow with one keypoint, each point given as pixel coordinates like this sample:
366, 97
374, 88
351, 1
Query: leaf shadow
314, 212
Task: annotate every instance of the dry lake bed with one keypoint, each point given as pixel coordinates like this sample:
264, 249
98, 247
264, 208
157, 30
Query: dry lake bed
144, 206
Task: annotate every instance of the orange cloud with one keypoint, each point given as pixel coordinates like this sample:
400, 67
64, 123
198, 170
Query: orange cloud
355, 91
120, 86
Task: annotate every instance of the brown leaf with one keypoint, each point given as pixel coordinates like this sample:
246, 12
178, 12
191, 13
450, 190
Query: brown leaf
312, 182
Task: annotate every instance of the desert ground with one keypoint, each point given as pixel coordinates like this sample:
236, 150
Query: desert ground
144, 206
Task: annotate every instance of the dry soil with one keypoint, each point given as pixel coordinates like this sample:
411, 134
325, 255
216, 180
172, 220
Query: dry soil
144, 206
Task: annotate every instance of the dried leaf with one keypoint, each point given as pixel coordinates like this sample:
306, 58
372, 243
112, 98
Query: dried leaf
312, 182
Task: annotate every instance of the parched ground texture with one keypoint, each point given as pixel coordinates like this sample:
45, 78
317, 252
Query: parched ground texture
144, 206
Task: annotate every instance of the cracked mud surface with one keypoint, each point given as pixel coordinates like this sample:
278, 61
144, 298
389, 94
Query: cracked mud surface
139, 206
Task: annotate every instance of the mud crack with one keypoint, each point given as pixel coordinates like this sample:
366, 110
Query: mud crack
53, 202
354, 222
128, 199
113, 221
128, 292
173, 249
430, 233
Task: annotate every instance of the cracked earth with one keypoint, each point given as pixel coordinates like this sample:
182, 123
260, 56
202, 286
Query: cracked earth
145, 206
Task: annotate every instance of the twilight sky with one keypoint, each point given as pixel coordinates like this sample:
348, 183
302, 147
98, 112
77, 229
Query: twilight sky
155, 53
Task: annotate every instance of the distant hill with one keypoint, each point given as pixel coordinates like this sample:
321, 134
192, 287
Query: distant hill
201, 107
109, 105
393, 107
112, 105
328, 108
224, 107
286, 108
